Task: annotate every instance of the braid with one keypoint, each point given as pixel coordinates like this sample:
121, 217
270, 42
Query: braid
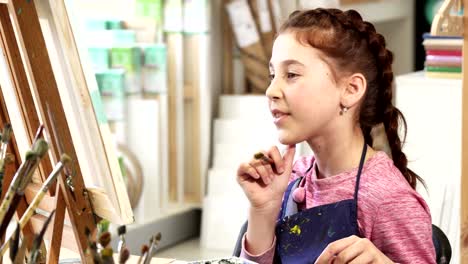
354, 45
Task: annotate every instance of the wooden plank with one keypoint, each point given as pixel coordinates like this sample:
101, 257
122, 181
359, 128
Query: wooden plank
228, 83
21, 85
30, 36
57, 226
81, 96
192, 178
175, 111
464, 180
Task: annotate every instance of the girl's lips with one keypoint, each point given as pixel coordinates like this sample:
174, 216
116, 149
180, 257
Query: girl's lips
278, 116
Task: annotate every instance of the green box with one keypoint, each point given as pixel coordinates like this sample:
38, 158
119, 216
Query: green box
126, 57
150, 9
111, 82
100, 58
113, 24
155, 55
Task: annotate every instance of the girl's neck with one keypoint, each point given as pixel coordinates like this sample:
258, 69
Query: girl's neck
335, 154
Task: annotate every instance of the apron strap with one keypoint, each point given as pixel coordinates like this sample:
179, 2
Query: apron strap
358, 178
289, 206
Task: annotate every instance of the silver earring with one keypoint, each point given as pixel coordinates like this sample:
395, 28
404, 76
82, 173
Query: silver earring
343, 110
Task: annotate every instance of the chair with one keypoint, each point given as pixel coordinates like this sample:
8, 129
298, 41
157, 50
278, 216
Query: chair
440, 240
442, 246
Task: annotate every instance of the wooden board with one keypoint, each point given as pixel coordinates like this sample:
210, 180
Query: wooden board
176, 122
464, 185
89, 129
228, 44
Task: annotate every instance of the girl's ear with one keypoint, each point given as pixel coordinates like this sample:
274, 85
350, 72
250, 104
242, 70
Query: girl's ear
354, 89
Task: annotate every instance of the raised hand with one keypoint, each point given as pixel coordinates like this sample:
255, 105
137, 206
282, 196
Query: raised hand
264, 180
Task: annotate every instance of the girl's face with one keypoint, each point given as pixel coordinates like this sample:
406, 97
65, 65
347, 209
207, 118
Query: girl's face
303, 96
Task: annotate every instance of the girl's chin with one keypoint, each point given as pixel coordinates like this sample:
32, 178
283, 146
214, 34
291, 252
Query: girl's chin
286, 140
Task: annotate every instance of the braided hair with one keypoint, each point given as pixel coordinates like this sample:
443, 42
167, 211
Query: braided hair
353, 45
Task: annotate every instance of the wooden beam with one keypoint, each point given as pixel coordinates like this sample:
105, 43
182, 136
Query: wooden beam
464, 179
26, 21
228, 67
21, 86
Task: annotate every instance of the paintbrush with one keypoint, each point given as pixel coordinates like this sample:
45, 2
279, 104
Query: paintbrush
19, 183
39, 196
154, 241
124, 255
38, 240
104, 239
144, 251
6, 136
106, 251
92, 247
9, 158
14, 243
23, 171
121, 232
107, 255
21, 255
261, 156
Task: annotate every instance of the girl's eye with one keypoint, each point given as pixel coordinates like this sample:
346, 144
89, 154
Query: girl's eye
291, 75
272, 76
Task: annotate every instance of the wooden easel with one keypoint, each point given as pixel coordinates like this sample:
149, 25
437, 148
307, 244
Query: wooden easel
21, 16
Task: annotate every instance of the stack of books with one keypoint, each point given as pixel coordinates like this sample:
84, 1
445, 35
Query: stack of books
443, 56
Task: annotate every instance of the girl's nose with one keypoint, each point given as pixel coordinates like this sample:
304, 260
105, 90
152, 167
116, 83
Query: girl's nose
273, 91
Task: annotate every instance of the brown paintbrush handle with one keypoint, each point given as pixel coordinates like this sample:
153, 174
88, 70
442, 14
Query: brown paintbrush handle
11, 211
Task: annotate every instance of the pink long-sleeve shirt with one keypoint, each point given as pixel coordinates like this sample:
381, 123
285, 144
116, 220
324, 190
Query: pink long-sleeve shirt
390, 213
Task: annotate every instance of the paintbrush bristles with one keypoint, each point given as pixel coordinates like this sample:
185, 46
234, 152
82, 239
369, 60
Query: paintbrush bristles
124, 255
6, 134
121, 230
65, 159
9, 158
144, 249
30, 155
41, 147
158, 237
105, 239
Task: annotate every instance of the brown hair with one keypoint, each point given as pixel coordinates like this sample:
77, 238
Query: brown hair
353, 45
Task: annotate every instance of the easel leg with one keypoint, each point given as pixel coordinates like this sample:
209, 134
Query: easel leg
55, 244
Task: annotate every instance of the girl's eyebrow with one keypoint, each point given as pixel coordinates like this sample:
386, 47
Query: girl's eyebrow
286, 63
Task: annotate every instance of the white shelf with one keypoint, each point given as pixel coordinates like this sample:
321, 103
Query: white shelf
432, 108
384, 10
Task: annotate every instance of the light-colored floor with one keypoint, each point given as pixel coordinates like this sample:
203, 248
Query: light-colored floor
191, 250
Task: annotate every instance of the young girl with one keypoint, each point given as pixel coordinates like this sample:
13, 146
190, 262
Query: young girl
331, 84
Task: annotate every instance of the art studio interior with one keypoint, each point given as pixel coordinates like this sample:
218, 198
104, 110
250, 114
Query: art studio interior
151, 131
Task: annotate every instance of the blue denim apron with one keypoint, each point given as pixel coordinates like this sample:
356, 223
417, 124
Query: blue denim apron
303, 235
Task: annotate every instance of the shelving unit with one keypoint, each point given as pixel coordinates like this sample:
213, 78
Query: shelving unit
433, 112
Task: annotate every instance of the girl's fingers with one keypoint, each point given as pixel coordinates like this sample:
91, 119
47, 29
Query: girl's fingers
277, 159
363, 258
246, 171
263, 171
330, 253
